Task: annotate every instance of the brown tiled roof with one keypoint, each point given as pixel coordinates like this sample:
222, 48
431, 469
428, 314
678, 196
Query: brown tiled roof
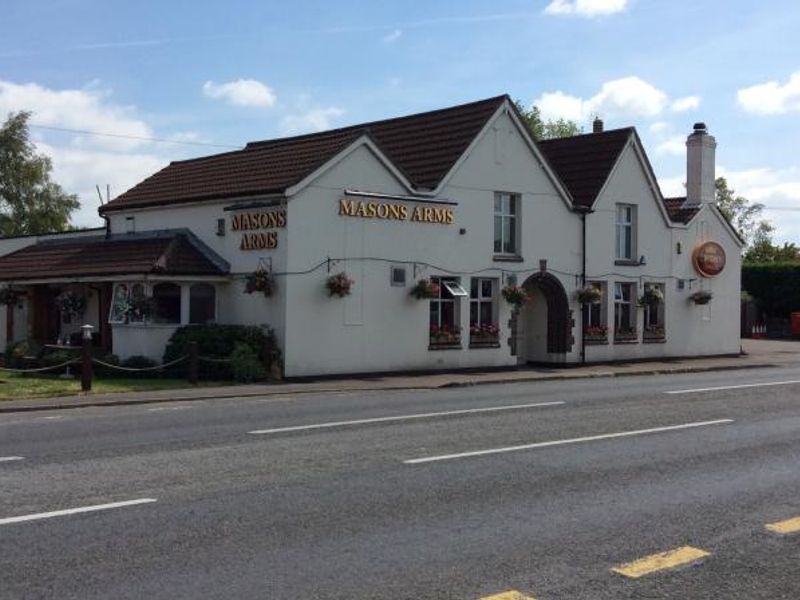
424, 147
168, 253
678, 213
584, 162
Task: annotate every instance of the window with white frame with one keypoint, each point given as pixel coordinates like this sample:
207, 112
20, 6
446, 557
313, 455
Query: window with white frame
445, 312
506, 211
202, 303
594, 313
654, 311
119, 304
483, 326
624, 314
625, 232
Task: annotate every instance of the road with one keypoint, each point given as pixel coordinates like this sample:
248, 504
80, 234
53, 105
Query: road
539, 488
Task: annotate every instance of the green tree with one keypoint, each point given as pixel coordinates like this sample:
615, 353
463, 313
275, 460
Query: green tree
764, 251
745, 216
546, 130
30, 202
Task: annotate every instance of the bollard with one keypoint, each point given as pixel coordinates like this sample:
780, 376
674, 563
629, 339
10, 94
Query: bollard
192, 371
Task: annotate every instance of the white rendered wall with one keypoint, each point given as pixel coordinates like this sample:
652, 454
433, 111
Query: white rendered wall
690, 330
379, 327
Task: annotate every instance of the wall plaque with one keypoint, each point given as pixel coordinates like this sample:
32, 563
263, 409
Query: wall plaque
709, 259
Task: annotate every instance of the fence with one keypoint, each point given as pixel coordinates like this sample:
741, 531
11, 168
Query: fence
87, 362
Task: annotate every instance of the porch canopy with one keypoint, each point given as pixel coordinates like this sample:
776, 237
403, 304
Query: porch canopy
90, 266
101, 258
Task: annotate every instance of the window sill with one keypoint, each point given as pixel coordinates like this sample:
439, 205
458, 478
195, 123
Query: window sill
626, 340
507, 258
595, 341
485, 344
654, 340
626, 262
444, 347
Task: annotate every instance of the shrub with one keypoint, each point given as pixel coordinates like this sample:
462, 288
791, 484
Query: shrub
245, 365
218, 341
57, 357
102, 371
17, 351
139, 362
775, 287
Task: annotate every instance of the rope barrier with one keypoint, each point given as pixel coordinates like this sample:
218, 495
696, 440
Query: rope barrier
142, 369
213, 360
41, 369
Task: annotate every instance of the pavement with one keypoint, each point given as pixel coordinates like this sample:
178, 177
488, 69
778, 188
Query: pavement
667, 486
756, 354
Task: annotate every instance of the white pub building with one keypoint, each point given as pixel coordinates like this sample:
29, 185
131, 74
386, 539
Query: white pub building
458, 205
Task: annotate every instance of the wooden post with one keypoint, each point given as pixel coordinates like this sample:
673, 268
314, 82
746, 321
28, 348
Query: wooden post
192, 371
86, 364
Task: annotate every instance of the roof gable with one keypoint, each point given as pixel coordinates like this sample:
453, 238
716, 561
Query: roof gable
584, 162
424, 147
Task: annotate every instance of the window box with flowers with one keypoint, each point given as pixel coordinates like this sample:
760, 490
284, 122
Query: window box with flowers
339, 285
626, 335
484, 336
595, 334
654, 334
444, 337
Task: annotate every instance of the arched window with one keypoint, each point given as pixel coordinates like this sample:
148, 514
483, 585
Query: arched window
202, 303
167, 301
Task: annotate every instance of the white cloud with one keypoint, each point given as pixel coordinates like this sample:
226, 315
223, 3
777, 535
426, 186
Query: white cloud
686, 103
88, 109
659, 127
627, 97
675, 145
316, 119
585, 8
392, 37
772, 97
242, 92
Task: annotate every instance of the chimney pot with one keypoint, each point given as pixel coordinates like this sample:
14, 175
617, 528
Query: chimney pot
597, 125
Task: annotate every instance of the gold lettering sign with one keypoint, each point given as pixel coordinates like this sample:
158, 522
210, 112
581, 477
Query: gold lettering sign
368, 209
709, 259
253, 224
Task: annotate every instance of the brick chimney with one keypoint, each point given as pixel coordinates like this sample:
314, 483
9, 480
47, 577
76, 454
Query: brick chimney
700, 152
597, 125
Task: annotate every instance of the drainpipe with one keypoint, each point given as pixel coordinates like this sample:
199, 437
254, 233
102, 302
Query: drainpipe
583, 211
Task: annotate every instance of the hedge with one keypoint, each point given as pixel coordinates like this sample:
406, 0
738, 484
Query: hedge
774, 287
218, 341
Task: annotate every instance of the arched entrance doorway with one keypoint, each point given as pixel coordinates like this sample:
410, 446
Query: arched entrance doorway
545, 322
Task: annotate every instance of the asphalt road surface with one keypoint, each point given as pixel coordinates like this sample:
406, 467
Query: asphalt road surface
542, 489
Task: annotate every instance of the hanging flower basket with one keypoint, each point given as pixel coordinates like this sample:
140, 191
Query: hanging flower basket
651, 297
260, 281
701, 297
589, 295
70, 305
425, 289
8, 296
515, 295
339, 285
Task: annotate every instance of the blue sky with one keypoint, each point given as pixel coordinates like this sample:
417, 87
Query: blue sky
225, 73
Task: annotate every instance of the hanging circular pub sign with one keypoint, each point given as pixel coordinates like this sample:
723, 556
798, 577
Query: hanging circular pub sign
709, 259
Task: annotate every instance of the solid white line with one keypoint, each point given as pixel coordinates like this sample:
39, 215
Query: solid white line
593, 438
734, 387
170, 408
74, 511
10, 458
431, 415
